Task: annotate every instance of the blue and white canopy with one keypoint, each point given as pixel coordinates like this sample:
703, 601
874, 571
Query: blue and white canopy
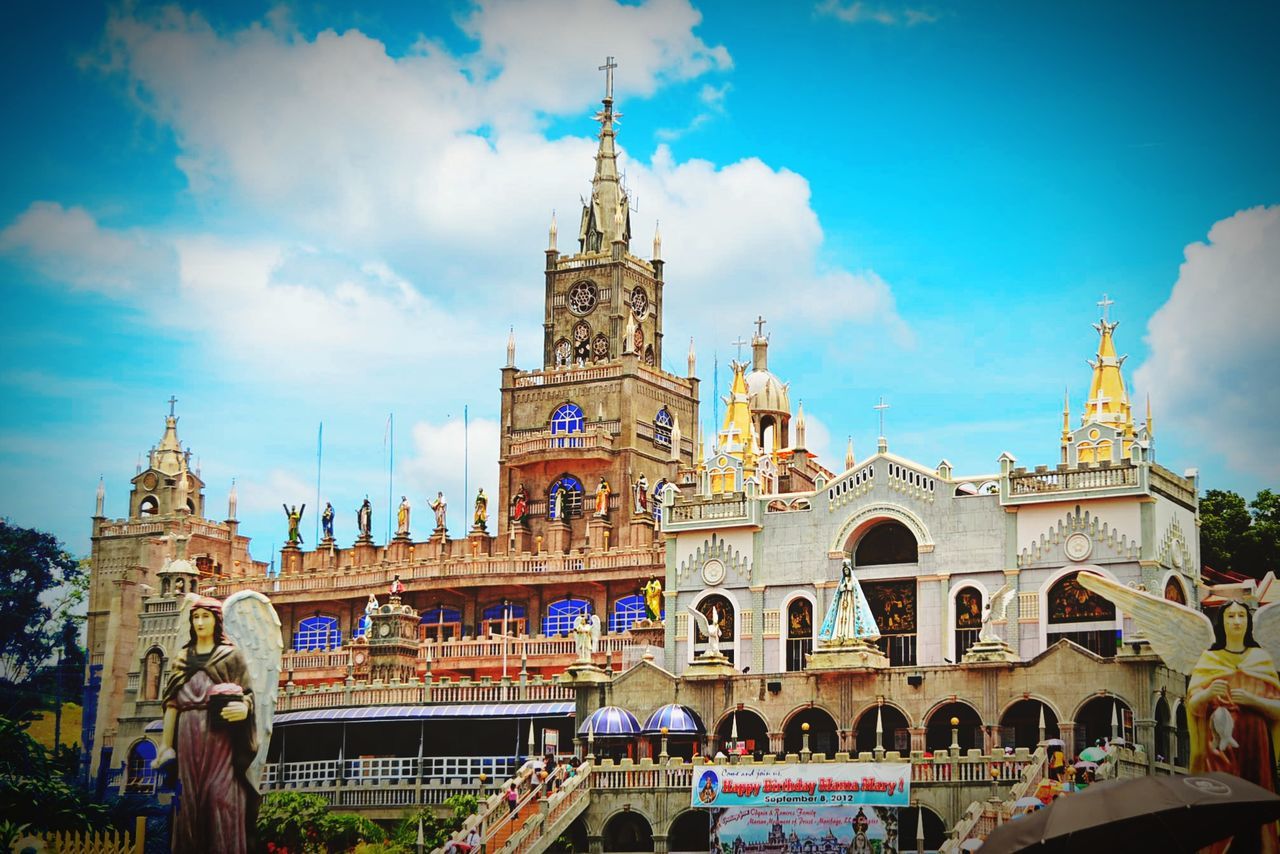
610, 720
678, 719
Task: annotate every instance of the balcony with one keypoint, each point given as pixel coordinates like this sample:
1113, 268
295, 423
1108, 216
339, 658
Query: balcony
1026, 487
689, 515
529, 444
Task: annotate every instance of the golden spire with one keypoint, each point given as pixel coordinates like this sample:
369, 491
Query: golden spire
737, 417
1151, 424
1108, 400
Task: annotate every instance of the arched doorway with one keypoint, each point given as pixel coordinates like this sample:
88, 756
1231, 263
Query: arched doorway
628, 831
572, 840
752, 733
1164, 731
823, 737
1103, 718
937, 734
1182, 737
690, 832
893, 602
139, 775
799, 633
1080, 616
1020, 724
968, 621
895, 730
727, 620
886, 542
935, 831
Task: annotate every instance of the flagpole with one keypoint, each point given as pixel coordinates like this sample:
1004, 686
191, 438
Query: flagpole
319, 460
466, 469
391, 461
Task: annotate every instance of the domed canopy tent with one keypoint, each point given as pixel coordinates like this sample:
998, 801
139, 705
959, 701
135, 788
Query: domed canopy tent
681, 726
610, 732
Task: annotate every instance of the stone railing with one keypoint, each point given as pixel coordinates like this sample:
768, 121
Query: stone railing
544, 440
706, 511
415, 692
1171, 486
982, 817
1044, 480
127, 529
554, 813
568, 375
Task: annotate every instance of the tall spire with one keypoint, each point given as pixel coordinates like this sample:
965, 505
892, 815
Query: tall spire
849, 459
606, 216
800, 428
511, 348
100, 498
552, 234
693, 359
1108, 399
737, 416
657, 241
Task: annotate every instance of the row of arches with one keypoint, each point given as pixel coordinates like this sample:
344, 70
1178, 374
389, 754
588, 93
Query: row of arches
322, 631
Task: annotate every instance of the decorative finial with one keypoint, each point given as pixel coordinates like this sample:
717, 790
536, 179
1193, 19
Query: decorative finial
172, 400
1105, 304
607, 68
881, 407
675, 438
511, 338
231, 502
760, 322
101, 497
657, 241
849, 459
800, 425
693, 359
551, 239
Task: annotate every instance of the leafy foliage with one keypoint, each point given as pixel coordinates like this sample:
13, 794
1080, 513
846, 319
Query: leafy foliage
298, 823
1241, 537
40, 585
435, 831
34, 790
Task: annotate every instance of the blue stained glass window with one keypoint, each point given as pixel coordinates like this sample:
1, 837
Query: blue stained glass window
317, 633
440, 615
567, 419
560, 616
362, 628
494, 612
572, 498
626, 611
662, 423
663, 418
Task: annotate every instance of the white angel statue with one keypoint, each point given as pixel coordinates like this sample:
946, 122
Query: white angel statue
1233, 698
710, 628
997, 609
219, 704
586, 632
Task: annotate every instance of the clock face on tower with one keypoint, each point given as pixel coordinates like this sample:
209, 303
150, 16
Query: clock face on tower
385, 630
582, 297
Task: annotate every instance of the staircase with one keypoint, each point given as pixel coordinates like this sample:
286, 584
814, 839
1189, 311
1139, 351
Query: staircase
494, 816
549, 817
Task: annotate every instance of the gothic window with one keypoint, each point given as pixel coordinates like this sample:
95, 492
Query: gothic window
581, 342
1071, 603
799, 633
968, 619
561, 615
563, 352
149, 506
600, 348
662, 423
567, 418
491, 619
888, 542
152, 670
1174, 593
648, 355
637, 341
318, 632
440, 623
626, 611
725, 613
572, 488
639, 303
582, 297
139, 775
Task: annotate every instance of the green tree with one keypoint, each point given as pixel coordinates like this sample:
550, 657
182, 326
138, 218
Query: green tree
435, 831
302, 824
35, 795
1240, 537
40, 585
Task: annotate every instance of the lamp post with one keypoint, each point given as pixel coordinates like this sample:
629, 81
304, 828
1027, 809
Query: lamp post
804, 741
663, 754
955, 734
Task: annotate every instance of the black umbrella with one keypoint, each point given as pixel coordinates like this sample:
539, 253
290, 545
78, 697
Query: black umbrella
1164, 813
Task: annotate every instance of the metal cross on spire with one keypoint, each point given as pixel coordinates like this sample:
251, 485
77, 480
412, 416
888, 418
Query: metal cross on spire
1105, 304
881, 407
607, 68
172, 401
739, 344
760, 321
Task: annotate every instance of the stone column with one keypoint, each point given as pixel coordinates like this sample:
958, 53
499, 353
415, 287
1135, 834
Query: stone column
1067, 732
660, 843
595, 844
917, 739
1144, 732
775, 741
757, 630
1013, 629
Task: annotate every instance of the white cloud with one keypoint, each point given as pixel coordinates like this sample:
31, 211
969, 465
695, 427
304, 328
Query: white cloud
68, 245
435, 465
817, 440
858, 12
1214, 347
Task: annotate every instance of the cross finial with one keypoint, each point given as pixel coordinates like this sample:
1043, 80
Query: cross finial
172, 401
739, 344
760, 326
607, 68
1105, 304
881, 407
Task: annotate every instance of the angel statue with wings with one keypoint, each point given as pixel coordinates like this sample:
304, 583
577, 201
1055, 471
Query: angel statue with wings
709, 626
586, 632
219, 703
1233, 698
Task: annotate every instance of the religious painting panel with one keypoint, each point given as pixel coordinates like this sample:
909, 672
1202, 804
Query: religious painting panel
1174, 593
724, 612
893, 605
969, 609
1069, 602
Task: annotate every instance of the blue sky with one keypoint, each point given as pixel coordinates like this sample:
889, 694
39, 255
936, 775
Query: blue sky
300, 213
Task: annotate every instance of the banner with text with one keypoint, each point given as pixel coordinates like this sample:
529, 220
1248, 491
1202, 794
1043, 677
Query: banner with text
873, 830
818, 785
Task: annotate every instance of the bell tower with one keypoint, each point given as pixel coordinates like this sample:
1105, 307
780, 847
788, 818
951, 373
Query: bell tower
600, 407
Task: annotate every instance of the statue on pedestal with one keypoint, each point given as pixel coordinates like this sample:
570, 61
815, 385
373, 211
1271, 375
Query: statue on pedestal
402, 517
653, 599
326, 521
602, 498
642, 496
709, 627
364, 520
558, 505
849, 617
586, 634
294, 515
520, 505
482, 510
439, 507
